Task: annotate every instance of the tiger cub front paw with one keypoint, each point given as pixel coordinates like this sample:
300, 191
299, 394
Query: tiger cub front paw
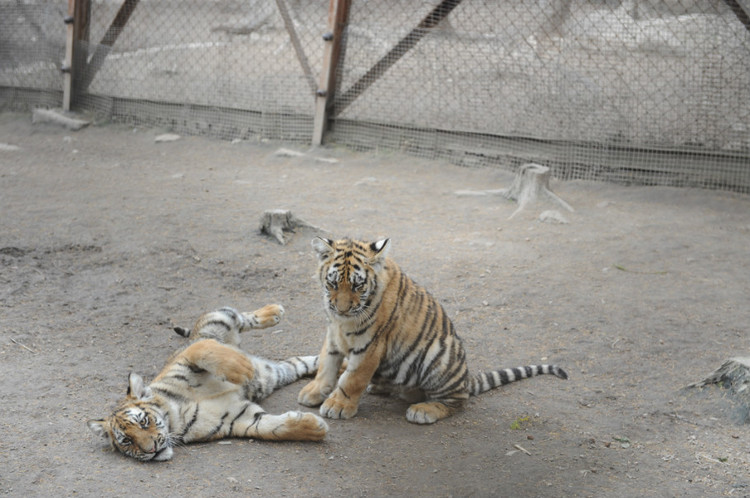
312, 394
267, 316
337, 406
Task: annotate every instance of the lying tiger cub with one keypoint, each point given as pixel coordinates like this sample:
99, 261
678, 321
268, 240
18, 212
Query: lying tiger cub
208, 391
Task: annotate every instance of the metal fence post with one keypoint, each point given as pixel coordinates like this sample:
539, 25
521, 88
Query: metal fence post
338, 18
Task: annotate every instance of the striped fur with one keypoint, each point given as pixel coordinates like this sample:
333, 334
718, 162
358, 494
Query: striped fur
208, 390
396, 337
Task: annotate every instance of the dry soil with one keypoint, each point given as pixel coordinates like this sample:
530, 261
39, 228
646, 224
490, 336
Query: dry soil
108, 239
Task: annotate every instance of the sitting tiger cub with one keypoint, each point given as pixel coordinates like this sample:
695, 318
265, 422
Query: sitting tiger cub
207, 391
396, 337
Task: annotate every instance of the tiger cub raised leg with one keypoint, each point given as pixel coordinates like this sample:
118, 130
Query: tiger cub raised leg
227, 323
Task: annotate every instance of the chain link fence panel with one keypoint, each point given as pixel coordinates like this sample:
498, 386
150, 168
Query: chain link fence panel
633, 91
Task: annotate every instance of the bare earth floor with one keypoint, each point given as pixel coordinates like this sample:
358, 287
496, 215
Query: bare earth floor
108, 239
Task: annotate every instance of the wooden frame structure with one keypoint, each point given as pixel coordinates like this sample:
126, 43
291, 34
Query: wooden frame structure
77, 20
327, 103
78, 73
338, 18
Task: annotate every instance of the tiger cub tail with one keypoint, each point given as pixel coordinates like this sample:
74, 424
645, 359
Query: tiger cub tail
273, 375
227, 323
484, 381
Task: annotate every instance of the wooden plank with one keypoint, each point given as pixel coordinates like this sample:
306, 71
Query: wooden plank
77, 36
108, 40
407, 43
338, 17
67, 68
292, 31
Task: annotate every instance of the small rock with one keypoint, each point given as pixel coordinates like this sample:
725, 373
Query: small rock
288, 153
167, 137
9, 147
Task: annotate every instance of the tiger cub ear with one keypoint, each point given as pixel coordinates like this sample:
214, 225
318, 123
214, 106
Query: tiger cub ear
323, 247
380, 252
99, 427
137, 388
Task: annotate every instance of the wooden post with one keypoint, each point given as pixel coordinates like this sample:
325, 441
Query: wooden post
77, 20
292, 31
408, 42
741, 9
338, 18
109, 39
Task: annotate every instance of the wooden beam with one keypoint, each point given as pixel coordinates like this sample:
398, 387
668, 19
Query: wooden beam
109, 39
407, 43
292, 31
338, 17
77, 37
741, 9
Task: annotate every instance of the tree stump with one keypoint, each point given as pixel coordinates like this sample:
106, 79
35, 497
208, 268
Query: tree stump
532, 182
734, 375
275, 222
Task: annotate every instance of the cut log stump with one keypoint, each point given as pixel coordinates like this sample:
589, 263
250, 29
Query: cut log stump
275, 222
530, 184
734, 375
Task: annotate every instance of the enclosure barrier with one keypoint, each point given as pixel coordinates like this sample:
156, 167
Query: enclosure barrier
653, 92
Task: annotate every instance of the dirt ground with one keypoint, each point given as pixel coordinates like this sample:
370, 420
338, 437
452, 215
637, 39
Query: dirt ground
108, 239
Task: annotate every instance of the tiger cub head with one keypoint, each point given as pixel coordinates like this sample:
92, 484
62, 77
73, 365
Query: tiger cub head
137, 428
349, 272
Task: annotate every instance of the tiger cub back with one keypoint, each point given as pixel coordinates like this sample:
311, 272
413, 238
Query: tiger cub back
396, 337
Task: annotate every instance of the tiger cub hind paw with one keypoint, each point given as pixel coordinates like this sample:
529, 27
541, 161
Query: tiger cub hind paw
267, 316
312, 394
427, 413
305, 426
240, 371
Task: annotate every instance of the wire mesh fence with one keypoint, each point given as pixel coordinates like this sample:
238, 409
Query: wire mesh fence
636, 91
